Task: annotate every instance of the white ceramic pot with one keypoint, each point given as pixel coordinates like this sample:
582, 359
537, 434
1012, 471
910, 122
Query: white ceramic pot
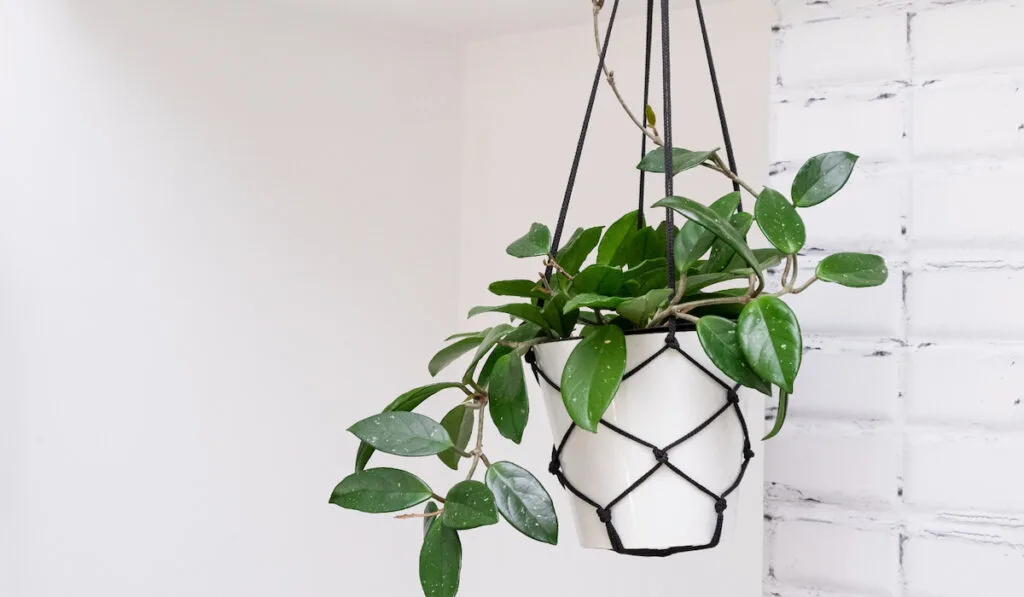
662, 402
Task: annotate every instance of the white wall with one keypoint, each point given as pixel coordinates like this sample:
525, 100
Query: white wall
216, 227
524, 104
899, 473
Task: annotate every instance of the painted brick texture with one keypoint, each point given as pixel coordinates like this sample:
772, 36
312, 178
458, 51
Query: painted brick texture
898, 473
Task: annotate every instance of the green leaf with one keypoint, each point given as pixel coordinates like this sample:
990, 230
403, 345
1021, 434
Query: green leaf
592, 301
468, 505
771, 341
479, 334
646, 269
779, 221
780, 415
449, 354
402, 434
614, 237
722, 253
821, 177
485, 372
520, 288
718, 337
576, 251
694, 239
535, 243
652, 118
508, 403
459, 425
429, 520
856, 270
592, 374
707, 218
701, 281
440, 562
379, 490
640, 246
523, 501
598, 279
767, 258
404, 403
682, 160
640, 310
494, 335
523, 311
552, 313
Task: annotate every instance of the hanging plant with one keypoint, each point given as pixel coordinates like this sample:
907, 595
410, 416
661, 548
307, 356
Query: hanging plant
603, 287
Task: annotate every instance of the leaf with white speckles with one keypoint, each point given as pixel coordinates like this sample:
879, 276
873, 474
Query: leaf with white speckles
508, 402
440, 562
780, 222
378, 490
770, 338
523, 501
592, 374
403, 434
469, 505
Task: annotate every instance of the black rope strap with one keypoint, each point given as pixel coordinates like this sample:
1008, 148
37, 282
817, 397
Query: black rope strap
661, 456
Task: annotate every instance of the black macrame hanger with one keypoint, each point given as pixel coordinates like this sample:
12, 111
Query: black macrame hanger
661, 455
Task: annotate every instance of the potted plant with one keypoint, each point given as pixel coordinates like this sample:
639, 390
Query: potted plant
605, 312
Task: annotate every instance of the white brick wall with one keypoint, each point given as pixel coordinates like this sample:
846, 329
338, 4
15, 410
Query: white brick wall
899, 474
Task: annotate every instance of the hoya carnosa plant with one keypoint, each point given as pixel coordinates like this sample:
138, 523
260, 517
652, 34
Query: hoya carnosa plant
750, 334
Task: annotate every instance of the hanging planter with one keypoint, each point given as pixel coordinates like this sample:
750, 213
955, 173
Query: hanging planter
645, 341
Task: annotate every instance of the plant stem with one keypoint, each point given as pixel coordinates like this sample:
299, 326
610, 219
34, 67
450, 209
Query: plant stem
479, 450
806, 284
720, 167
551, 261
420, 515
609, 75
437, 497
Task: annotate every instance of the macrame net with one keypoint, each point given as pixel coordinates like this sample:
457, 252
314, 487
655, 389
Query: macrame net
661, 456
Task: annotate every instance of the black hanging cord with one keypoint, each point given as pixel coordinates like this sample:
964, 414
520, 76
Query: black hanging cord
560, 227
647, 102
729, 153
666, 90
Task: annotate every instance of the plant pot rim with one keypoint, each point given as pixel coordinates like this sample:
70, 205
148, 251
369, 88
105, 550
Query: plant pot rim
681, 327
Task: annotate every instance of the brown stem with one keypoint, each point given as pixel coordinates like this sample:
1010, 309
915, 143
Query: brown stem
420, 515
437, 497
479, 450
720, 167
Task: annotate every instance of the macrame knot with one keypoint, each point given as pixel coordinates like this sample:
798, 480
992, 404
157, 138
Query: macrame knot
734, 398
720, 506
530, 357
604, 515
555, 467
660, 455
672, 341
747, 452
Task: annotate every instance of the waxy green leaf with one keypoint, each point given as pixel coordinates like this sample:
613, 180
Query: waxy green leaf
856, 270
780, 415
682, 160
508, 403
484, 378
721, 253
640, 246
767, 258
449, 354
576, 251
614, 237
770, 338
380, 490
403, 434
489, 341
780, 222
598, 279
440, 561
429, 520
592, 374
535, 243
468, 505
520, 288
459, 425
404, 403
523, 501
707, 218
593, 301
721, 343
694, 239
640, 310
821, 177
523, 311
